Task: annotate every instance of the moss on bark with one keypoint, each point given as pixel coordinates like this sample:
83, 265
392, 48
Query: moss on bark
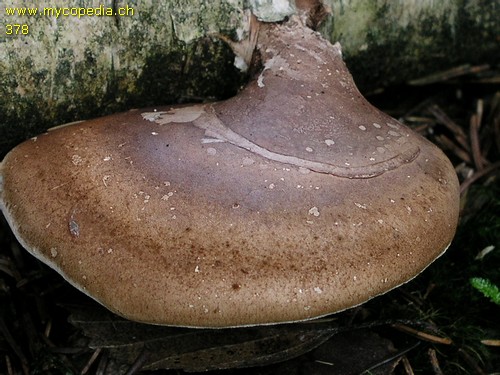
389, 42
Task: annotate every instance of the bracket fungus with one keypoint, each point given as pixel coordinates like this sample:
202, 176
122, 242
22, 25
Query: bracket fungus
292, 200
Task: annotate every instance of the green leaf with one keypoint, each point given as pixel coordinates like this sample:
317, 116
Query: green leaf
486, 287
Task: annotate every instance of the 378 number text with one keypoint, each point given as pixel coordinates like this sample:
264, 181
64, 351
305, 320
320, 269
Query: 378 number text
17, 29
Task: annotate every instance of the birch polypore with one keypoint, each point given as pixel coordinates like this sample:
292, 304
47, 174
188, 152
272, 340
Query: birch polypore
293, 200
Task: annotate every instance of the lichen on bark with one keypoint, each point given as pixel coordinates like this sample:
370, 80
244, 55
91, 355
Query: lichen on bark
68, 68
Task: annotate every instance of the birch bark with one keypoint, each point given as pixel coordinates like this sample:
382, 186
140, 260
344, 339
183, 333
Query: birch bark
65, 66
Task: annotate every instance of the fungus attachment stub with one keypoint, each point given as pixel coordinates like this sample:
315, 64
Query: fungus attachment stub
292, 200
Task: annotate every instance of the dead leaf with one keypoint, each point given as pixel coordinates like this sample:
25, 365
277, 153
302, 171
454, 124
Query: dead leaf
195, 350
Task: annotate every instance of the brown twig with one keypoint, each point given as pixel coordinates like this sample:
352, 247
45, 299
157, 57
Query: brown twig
407, 366
8, 365
495, 116
471, 362
448, 74
91, 361
138, 364
447, 144
491, 342
434, 362
475, 124
476, 176
391, 358
13, 344
457, 131
422, 335
103, 364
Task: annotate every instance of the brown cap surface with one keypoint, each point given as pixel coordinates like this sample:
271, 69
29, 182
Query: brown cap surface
293, 200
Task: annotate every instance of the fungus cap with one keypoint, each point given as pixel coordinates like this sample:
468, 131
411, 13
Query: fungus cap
293, 200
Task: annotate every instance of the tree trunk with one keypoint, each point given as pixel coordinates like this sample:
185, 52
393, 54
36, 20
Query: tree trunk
58, 68
388, 42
